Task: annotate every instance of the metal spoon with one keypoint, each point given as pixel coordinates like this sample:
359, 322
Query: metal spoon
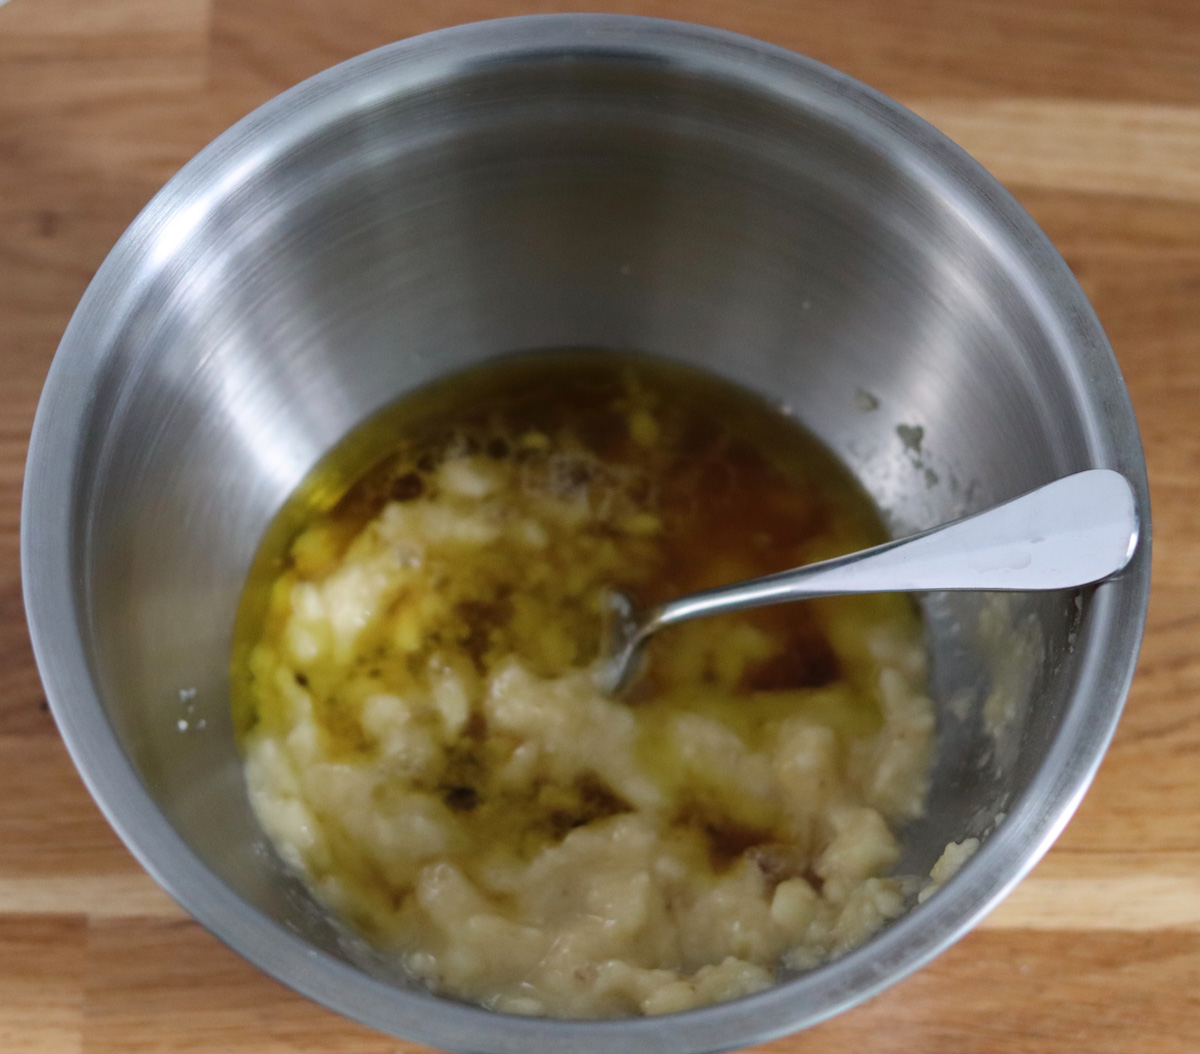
1072, 532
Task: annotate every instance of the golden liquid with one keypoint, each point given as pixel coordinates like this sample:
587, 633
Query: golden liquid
684, 482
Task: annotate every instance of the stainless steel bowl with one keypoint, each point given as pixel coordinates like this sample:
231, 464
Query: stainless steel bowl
540, 182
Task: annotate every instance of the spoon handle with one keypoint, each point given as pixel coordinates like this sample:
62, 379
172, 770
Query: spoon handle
1072, 532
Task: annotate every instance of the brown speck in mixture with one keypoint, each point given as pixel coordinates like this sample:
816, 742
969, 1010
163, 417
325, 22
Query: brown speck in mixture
302, 680
578, 474
598, 799
476, 726
408, 487
777, 861
806, 661
562, 821
728, 840
497, 448
461, 799
480, 617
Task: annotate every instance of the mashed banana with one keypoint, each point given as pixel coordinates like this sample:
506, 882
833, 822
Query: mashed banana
425, 743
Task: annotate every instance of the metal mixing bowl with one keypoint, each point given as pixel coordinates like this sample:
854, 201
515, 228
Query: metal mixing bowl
541, 182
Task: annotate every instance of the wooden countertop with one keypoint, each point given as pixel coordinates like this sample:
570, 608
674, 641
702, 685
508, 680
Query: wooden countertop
1088, 110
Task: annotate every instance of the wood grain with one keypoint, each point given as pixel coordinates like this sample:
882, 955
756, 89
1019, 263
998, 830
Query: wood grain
1088, 110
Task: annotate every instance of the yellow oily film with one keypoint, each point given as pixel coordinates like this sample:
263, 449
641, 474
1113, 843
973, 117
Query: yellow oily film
423, 736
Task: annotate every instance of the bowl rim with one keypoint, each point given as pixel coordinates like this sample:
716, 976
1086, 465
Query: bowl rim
1112, 634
